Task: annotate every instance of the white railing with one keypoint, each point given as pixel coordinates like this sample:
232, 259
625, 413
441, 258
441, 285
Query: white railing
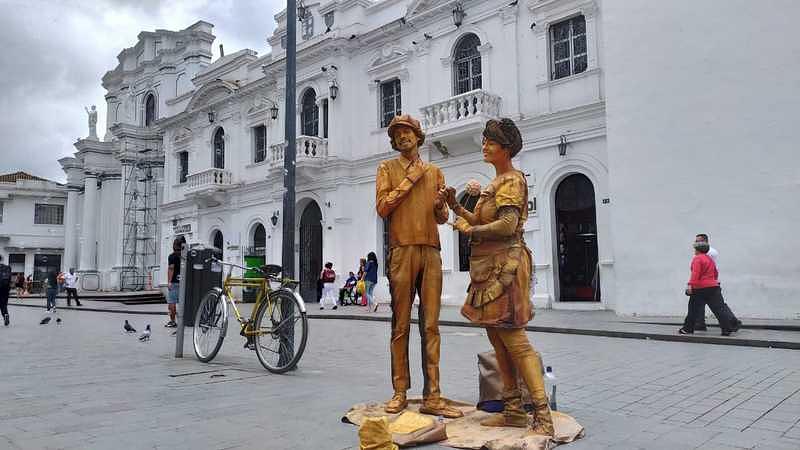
209, 178
308, 148
461, 107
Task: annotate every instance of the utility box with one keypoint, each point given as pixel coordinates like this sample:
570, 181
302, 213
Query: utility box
201, 277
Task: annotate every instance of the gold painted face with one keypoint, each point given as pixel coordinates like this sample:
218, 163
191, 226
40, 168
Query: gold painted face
404, 138
493, 152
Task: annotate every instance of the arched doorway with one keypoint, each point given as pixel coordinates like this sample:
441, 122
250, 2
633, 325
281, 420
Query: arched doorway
576, 240
310, 251
218, 241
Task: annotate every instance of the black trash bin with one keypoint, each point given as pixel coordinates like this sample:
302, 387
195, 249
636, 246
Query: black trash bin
200, 278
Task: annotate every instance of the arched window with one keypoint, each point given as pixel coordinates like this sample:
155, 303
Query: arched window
309, 114
149, 110
259, 240
468, 202
219, 149
467, 64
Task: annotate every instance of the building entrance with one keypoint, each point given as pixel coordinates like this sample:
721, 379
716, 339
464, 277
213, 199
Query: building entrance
576, 240
310, 251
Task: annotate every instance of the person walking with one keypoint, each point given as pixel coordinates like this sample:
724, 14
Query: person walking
410, 193
328, 278
71, 286
5, 288
500, 269
703, 289
52, 288
370, 280
700, 321
173, 281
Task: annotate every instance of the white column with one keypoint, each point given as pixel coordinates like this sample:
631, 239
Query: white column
70, 232
89, 227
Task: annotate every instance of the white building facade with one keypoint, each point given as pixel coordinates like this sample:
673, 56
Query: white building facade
596, 149
31, 224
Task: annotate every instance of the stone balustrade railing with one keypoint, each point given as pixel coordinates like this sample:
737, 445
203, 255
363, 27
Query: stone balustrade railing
209, 178
308, 148
461, 107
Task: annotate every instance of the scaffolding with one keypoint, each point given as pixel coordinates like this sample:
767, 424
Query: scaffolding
142, 177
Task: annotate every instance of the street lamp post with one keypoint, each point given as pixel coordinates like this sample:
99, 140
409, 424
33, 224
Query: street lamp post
287, 258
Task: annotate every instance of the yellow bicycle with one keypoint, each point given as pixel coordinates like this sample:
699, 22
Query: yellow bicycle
277, 328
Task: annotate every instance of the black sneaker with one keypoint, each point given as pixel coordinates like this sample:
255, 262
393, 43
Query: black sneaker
684, 331
5, 319
171, 324
334, 307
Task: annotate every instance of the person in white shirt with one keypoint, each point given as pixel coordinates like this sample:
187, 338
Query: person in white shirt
71, 286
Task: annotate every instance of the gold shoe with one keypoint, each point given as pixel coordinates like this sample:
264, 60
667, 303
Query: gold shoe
542, 421
513, 415
439, 407
397, 403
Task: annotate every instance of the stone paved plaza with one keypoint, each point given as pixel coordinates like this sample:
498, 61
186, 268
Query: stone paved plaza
86, 385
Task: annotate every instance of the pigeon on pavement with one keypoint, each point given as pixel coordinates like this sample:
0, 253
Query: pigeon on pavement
45, 320
146, 335
128, 328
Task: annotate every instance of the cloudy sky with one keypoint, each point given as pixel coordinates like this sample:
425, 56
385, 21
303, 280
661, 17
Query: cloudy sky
56, 51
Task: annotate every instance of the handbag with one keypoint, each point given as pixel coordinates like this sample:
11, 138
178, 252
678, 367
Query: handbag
361, 287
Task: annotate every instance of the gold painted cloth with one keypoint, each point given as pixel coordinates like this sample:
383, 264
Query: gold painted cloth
408, 205
500, 262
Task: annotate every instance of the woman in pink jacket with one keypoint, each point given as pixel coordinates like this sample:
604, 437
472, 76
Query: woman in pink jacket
703, 289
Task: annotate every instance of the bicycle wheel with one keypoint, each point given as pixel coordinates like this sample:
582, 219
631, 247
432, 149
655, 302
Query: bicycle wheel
281, 332
210, 326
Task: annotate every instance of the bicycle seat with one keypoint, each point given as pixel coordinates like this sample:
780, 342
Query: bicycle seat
271, 270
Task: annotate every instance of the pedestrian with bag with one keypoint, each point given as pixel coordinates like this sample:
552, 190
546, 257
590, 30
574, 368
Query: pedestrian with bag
328, 277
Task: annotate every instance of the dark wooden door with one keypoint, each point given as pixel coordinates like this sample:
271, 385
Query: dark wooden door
310, 251
576, 238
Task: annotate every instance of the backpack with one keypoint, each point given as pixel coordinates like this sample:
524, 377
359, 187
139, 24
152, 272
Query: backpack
5, 275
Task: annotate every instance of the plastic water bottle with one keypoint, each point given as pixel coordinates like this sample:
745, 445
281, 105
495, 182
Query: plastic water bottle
550, 380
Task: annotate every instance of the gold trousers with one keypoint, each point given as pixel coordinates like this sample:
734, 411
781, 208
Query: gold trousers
516, 354
416, 269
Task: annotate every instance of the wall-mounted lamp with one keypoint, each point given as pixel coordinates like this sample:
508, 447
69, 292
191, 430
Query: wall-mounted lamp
211, 116
301, 11
562, 145
458, 15
274, 218
334, 90
273, 111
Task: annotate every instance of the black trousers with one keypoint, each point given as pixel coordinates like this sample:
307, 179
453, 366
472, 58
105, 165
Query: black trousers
72, 292
713, 298
4, 289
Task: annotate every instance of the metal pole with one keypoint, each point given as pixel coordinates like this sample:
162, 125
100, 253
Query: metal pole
182, 303
287, 257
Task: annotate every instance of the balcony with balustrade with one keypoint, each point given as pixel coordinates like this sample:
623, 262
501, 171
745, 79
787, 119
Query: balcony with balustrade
208, 187
460, 115
312, 153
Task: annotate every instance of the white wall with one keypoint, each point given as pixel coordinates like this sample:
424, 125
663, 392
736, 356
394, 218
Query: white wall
702, 134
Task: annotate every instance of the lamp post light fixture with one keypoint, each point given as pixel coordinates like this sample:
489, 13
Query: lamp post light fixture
273, 112
458, 14
562, 145
274, 219
301, 11
211, 116
334, 90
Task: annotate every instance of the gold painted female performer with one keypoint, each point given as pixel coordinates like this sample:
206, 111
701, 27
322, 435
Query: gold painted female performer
500, 277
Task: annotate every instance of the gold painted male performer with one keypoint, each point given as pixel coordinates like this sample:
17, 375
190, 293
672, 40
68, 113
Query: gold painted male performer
410, 193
